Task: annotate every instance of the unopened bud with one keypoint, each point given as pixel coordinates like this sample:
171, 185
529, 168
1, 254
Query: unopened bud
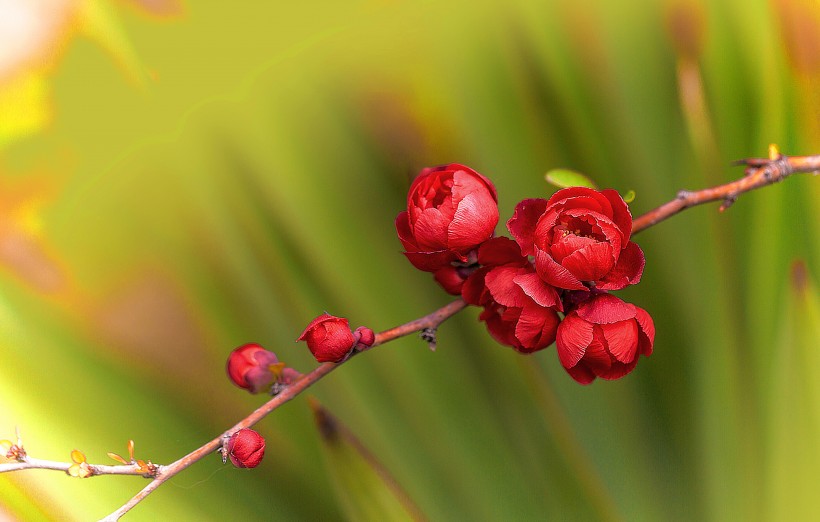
245, 448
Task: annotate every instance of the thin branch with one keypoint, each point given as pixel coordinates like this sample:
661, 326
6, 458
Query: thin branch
428, 322
96, 469
759, 173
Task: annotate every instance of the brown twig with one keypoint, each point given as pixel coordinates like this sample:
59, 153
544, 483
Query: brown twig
759, 172
428, 322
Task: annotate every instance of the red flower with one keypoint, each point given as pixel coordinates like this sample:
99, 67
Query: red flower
603, 338
245, 448
451, 210
579, 239
250, 367
519, 308
330, 340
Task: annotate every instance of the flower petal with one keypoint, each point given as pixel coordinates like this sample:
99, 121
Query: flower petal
474, 290
555, 274
430, 230
581, 374
627, 271
591, 262
622, 339
431, 261
617, 370
605, 309
522, 224
404, 232
647, 336
473, 223
500, 283
500, 250
572, 339
537, 327
620, 212
539, 291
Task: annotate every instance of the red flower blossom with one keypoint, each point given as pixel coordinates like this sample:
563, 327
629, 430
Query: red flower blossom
245, 448
579, 239
519, 308
330, 340
253, 368
604, 337
451, 210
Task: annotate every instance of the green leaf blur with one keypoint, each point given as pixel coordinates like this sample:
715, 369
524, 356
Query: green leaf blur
180, 186
563, 178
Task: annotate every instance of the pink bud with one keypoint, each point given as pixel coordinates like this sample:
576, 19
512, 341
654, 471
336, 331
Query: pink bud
366, 337
249, 367
245, 448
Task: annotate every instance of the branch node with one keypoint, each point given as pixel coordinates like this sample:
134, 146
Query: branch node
683, 194
428, 335
728, 201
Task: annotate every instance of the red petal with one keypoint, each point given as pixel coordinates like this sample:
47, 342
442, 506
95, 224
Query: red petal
591, 262
474, 222
597, 358
405, 234
539, 291
568, 244
587, 194
500, 283
449, 279
627, 271
605, 309
581, 374
502, 326
536, 328
622, 340
572, 339
466, 180
522, 224
500, 250
647, 337
431, 261
600, 224
311, 328
555, 274
620, 212
618, 370
474, 290
430, 230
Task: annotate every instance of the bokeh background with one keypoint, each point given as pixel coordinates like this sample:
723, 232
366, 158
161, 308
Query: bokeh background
177, 179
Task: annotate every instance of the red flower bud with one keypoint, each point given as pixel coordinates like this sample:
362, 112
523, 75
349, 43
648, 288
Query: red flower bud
249, 367
365, 337
451, 210
603, 338
245, 448
579, 238
330, 340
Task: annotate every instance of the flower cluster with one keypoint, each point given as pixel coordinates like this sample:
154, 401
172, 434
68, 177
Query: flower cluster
566, 253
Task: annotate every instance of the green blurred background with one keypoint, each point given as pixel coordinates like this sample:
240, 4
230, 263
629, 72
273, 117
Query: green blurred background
179, 179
